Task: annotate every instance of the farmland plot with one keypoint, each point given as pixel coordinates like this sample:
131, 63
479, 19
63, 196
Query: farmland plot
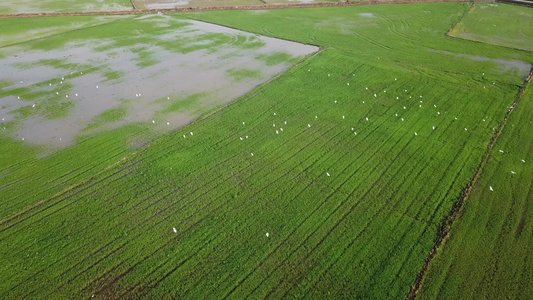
166, 4
500, 24
71, 84
488, 254
30, 6
330, 182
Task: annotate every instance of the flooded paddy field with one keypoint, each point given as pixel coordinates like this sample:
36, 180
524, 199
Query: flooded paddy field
184, 69
332, 181
168, 4
30, 6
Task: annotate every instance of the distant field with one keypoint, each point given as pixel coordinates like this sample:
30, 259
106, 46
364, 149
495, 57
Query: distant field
31, 6
499, 24
162, 4
331, 181
300, 1
488, 255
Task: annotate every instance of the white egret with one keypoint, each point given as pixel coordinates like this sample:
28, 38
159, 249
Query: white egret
191, 132
308, 125
267, 234
416, 133
327, 173
175, 230
490, 187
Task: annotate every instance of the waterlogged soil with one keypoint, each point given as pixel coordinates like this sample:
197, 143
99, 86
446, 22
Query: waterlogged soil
31, 6
505, 65
51, 97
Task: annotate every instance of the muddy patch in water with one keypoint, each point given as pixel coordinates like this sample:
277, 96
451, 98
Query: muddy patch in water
87, 86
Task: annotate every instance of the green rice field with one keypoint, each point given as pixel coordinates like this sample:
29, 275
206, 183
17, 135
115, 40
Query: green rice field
498, 24
331, 175
487, 254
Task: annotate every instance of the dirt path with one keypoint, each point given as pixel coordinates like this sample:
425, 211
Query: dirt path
456, 211
253, 7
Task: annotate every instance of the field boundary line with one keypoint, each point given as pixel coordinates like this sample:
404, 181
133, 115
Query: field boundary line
218, 8
444, 231
465, 13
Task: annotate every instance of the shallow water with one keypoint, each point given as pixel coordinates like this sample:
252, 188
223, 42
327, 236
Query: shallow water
504, 64
143, 91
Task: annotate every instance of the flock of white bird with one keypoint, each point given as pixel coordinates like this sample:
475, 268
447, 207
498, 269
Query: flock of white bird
280, 129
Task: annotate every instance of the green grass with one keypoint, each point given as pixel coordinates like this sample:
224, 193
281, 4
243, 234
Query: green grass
110, 116
362, 232
242, 74
29, 6
276, 58
487, 255
499, 24
189, 103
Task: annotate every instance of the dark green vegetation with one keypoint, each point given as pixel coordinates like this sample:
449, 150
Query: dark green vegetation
349, 212
488, 255
499, 24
